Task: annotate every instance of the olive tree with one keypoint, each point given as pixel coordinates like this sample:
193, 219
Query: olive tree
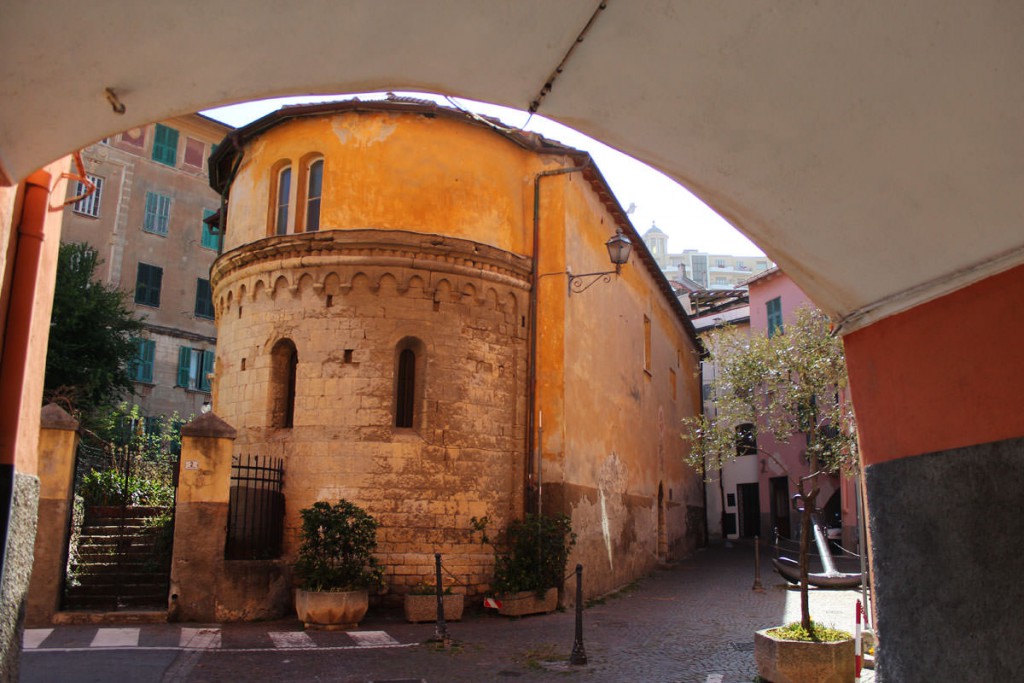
788, 384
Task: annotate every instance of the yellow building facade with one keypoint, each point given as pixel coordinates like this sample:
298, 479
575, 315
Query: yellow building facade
396, 321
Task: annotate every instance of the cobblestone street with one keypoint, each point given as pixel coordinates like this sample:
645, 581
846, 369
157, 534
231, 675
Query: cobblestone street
691, 623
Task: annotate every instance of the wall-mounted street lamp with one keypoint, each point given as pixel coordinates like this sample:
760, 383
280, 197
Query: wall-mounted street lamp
619, 248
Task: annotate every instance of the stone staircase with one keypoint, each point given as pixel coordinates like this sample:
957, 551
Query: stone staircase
121, 563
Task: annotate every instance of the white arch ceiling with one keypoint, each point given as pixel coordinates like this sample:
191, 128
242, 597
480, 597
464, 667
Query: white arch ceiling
873, 149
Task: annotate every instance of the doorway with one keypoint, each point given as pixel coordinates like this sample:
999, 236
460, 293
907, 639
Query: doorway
780, 506
749, 509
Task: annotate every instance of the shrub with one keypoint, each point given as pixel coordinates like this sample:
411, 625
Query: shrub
110, 487
817, 633
337, 548
536, 551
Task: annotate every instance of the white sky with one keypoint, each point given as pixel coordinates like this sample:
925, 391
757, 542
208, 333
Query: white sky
688, 222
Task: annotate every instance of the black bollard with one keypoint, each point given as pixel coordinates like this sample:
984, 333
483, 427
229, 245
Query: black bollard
579, 655
440, 629
757, 566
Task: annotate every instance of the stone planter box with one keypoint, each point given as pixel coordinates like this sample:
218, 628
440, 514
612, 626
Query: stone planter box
527, 602
791, 661
331, 611
420, 608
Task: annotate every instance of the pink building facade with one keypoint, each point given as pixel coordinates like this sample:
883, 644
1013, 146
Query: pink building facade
757, 482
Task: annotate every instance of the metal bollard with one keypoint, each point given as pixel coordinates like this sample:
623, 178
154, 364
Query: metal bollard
579, 654
440, 628
757, 565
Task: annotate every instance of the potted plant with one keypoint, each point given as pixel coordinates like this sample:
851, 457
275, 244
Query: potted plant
336, 566
421, 603
792, 654
531, 563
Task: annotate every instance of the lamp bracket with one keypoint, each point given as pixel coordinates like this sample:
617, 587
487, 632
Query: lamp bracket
580, 283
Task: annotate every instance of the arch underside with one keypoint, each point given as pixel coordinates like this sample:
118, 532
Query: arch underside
874, 156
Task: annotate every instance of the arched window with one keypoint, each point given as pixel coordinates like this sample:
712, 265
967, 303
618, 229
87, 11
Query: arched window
284, 362
284, 190
408, 382
314, 191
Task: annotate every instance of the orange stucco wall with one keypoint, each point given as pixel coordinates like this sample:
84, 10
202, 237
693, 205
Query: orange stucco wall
943, 375
394, 172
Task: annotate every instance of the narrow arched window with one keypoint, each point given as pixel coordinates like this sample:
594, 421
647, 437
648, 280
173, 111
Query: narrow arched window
284, 360
284, 190
314, 191
405, 390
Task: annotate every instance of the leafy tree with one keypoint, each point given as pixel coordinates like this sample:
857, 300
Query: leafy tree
785, 385
92, 335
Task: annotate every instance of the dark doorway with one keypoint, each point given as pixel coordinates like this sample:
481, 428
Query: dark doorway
780, 506
749, 509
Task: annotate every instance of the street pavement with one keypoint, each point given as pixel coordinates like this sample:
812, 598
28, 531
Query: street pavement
692, 622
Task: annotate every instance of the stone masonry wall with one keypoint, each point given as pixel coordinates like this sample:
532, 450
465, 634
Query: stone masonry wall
349, 300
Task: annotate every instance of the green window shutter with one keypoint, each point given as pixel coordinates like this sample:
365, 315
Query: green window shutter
209, 240
184, 362
165, 145
158, 213
147, 350
204, 379
204, 299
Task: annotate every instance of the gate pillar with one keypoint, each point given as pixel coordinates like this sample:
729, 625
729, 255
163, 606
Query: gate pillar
58, 441
200, 518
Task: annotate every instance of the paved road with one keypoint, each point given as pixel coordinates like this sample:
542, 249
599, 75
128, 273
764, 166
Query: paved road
691, 623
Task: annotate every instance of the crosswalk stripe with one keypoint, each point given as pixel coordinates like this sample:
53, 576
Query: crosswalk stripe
714, 678
371, 638
291, 639
34, 637
116, 637
199, 638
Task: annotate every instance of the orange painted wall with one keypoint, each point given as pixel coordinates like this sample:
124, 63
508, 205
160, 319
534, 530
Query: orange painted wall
945, 374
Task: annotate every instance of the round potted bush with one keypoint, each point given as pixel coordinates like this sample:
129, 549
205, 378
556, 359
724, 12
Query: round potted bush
336, 566
531, 564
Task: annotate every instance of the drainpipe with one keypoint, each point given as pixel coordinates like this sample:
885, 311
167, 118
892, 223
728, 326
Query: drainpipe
532, 443
27, 249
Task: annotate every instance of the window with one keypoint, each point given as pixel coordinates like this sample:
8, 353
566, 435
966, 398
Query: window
408, 382
284, 362
90, 205
165, 145
774, 308
141, 368
147, 285
210, 240
194, 368
158, 211
405, 389
720, 263
204, 299
647, 345
314, 190
194, 153
284, 188
746, 440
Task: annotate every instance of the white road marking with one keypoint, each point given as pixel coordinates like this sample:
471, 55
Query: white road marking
34, 637
371, 638
291, 639
116, 637
199, 639
714, 678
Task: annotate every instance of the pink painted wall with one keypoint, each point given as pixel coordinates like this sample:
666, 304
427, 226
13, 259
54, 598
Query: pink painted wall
762, 290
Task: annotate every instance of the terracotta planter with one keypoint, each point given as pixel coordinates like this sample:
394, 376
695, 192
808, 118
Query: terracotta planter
527, 602
419, 608
331, 611
792, 661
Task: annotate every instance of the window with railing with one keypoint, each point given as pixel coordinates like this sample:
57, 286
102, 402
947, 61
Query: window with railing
255, 508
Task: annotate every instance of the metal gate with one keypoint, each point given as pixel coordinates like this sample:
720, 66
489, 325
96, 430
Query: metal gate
122, 525
255, 508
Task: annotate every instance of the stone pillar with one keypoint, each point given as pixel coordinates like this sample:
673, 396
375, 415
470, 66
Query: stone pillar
58, 442
200, 518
